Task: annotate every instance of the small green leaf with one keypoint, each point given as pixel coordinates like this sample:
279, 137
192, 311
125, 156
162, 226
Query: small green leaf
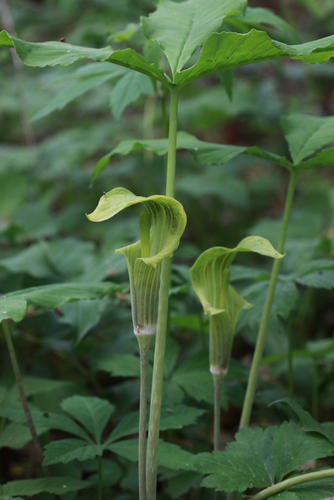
181, 27
64, 54
55, 485
229, 50
127, 90
17, 436
66, 450
307, 134
12, 308
92, 413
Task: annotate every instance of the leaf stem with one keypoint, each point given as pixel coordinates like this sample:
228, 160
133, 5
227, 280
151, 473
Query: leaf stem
31, 425
156, 395
290, 483
144, 347
249, 399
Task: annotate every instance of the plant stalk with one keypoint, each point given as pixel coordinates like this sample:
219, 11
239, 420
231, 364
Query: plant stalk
290, 483
158, 368
100, 477
144, 347
217, 390
249, 398
31, 425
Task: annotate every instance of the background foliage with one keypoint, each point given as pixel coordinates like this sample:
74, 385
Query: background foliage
50, 143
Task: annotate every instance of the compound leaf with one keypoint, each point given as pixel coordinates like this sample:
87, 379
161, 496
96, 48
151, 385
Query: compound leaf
93, 413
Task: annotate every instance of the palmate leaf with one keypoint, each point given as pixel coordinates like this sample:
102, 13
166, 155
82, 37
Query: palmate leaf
55, 485
64, 54
180, 28
229, 50
92, 413
260, 458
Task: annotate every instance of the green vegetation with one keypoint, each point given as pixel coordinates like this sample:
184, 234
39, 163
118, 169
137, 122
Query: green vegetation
86, 409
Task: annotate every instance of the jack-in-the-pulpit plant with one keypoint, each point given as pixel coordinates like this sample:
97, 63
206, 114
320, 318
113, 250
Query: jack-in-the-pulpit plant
161, 228
210, 276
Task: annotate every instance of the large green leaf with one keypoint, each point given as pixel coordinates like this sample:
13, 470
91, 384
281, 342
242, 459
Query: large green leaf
66, 450
260, 458
228, 50
55, 485
64, 54
181, 27
92, 413
307, 134
13, 308
53, 296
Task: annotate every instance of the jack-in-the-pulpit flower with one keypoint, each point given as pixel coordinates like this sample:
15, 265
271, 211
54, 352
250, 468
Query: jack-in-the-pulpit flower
210, 277
161, 231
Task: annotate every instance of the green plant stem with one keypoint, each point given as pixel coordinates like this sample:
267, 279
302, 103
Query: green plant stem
35, 440
100, 477
248, 403
217, 390
290, 362
290, 483
144, 347
158, 368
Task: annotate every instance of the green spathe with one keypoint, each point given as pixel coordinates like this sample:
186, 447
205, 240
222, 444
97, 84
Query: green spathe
168, 221
210, 279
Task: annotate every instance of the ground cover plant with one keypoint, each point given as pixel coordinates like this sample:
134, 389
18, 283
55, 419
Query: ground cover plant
89, 410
